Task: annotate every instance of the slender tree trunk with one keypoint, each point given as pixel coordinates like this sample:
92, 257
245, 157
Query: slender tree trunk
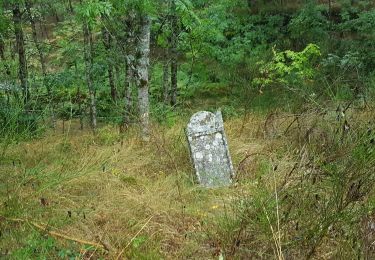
128, 92
22, 71
79, 101
173, 52
107, 44
142, 80
112, 82
88, 64
117, 79
166, 85
130, 68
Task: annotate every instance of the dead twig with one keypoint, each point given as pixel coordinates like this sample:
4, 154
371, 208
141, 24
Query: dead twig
44, 227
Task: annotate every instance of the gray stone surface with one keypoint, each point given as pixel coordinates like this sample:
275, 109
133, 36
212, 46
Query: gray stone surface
209, 149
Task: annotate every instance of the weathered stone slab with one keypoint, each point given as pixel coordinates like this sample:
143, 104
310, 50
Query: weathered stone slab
209, 149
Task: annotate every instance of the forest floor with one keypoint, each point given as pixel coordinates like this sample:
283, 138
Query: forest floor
76, 194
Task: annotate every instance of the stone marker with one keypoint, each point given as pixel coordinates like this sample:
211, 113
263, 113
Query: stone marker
209, 149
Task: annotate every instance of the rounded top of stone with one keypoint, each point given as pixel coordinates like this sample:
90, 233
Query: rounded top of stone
204, 121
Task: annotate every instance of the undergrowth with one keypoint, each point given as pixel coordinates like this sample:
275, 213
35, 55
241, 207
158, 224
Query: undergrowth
303, 189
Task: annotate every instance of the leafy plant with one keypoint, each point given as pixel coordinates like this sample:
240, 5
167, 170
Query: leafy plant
289, 68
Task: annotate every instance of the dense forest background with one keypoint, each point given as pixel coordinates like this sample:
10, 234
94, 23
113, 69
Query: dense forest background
117, 80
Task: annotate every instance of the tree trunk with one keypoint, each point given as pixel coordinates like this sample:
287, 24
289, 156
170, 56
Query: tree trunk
166, 89
174, 41
117, 79
79, 101
143, 52
130, 68
128, 92
112, 82
107, 44
22, 71
88, 64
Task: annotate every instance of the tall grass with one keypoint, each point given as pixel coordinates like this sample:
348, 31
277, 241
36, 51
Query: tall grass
306, 191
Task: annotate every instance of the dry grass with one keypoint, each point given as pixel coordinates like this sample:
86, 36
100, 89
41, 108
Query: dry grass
104, 188
140, 199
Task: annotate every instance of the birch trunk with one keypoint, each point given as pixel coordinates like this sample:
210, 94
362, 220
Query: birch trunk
130, 68
142, 75
88, 64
